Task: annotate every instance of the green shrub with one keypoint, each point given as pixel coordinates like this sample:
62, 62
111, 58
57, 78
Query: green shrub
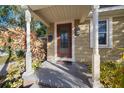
13, 58
9, 40
20, 53
14, 75
13, 84
112, 75
36, 64
89, 68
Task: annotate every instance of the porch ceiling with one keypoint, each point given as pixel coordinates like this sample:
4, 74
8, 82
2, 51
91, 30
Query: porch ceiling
57, 13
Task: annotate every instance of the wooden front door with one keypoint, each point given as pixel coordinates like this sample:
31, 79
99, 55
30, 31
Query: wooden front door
64, 40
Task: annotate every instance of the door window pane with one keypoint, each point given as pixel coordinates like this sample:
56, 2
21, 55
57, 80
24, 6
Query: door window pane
63, 39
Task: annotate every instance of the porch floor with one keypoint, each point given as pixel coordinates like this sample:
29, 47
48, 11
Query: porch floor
66, 75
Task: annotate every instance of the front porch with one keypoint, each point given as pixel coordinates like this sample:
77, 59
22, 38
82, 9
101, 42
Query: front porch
59, 15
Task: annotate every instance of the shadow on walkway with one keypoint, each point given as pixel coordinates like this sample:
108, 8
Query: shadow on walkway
61, 76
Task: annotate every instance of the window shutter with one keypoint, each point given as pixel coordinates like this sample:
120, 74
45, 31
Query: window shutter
110, 37
91, 33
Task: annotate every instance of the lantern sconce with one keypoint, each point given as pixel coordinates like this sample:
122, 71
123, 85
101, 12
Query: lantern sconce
77, 31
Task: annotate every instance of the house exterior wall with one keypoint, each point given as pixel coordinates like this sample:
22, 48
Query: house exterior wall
118, 41
50, 45
83, 52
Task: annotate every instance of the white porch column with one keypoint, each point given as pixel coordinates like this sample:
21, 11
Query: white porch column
29, 69
95, 56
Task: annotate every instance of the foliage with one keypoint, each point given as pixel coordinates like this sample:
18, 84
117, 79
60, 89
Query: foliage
14, 84
36, 64
89, 67
122, 56
20, 53
39, 28
11, 16
38, 51
14, 73
112, 74
14, 41
2, 77
14, 38
13, 58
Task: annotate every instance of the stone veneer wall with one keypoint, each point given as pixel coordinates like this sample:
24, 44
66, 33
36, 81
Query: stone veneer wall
118, 41
83, 52
50, 45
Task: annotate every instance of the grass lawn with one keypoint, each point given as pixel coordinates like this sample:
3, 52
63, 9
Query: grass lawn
3, 59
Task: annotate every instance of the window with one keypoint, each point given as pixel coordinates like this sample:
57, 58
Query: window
105, 33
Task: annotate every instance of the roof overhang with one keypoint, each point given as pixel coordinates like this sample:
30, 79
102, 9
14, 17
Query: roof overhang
110, 12
59, 13
113, 8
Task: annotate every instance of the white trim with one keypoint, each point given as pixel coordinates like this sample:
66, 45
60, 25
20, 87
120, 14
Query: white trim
111, 8
108, 9
110, 33
91, 33
107, 16
73, 42
55, 38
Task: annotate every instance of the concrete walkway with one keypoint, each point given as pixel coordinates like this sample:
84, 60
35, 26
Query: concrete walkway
69, 75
